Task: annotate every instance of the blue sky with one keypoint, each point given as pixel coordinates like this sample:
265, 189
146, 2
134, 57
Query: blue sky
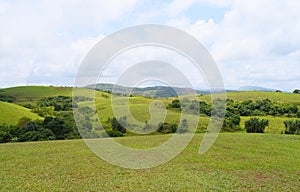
253, 43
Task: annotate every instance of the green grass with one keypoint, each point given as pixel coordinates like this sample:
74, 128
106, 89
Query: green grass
236, 162
11, 113
31, 94
259, 95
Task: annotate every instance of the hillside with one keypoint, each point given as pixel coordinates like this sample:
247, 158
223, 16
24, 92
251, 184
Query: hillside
139, 105
260, 95
155, 91
30, 94
11, 113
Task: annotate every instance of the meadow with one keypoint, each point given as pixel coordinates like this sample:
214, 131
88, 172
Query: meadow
236, 162
10, 113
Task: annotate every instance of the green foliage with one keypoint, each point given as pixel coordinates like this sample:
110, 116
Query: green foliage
5, 136
175, 104
292, 127
254, 125
296, 91
60, 103
113, 133
45, 111
167, 128
231, 122
7, 98
119, 125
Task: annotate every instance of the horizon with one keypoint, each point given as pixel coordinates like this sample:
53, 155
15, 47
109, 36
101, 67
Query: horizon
248, 87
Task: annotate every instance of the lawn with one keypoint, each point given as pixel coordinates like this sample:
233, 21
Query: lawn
236, 162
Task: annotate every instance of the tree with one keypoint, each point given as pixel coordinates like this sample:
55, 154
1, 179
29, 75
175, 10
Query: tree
118, 125
296, 91
254, 125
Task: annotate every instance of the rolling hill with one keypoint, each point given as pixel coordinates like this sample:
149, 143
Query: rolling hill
30, 94
11, 113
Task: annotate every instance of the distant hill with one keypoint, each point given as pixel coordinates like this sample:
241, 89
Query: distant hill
256, 88
155, 91
11, 113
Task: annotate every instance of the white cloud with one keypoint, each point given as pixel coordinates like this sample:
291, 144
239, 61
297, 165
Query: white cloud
263, 35
255, 43
44, 41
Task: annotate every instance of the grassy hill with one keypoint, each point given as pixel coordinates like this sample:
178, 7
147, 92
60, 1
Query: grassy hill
30, 94
259, 95
11, 113
139, 105
236, 162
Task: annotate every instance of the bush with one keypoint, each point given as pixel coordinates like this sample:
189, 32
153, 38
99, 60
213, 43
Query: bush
231, 122
31, 136
254, 125
4, 136
113, 133
167, 128
175, 104
7, 98
119, 125
292, 127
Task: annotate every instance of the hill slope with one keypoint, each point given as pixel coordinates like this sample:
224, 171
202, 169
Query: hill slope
260, 95
11, 113
30, 94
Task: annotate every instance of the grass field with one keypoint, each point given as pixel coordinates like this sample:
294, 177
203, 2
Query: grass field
31, 94
236, 162
259, 95
11, 113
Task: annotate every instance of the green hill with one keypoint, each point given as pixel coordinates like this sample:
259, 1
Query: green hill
11, 113
260, 95
30, 94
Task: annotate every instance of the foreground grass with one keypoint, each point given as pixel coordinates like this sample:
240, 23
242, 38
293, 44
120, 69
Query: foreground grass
236, 162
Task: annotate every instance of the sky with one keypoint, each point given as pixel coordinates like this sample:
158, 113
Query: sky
252, 42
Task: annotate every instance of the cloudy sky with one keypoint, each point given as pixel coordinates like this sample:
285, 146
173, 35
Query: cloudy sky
252, 42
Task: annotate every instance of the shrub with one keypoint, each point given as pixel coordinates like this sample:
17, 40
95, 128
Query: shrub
118, 125
231, 122
175, 104
4, 136
292, 127
112, 133
254, 125
167, 128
